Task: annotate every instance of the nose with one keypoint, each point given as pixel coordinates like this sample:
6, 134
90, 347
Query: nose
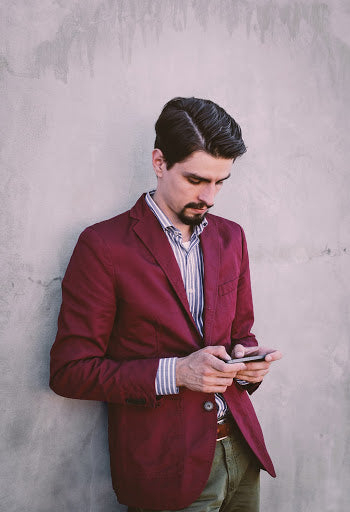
207, 194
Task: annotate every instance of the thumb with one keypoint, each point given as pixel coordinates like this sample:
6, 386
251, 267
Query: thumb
238, 351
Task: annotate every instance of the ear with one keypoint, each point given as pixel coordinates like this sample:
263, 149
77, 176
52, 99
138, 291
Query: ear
158, 162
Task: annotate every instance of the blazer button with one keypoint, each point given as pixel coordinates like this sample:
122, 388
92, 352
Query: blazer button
208, 406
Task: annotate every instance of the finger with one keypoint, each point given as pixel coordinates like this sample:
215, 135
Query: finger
223, 367
241, 351
216, 385
213, 389
273, 356
259, 365
238, 351
218, 351
252, 351
221, 381
252, 380
246, 375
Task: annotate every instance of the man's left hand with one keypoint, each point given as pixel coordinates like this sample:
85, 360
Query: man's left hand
255, 371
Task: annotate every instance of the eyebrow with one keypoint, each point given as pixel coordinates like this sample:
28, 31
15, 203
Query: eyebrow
200, 178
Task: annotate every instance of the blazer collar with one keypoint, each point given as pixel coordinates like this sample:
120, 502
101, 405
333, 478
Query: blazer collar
150, 232
148, 229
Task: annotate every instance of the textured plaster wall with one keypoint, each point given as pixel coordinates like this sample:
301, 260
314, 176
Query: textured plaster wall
81, 84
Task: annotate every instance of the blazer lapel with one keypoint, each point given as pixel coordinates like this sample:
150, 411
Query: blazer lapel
153, 237
211, 256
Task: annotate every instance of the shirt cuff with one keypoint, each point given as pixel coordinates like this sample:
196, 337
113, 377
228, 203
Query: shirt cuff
242, 382
166, 377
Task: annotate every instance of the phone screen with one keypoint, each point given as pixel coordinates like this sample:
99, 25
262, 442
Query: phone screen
247, 359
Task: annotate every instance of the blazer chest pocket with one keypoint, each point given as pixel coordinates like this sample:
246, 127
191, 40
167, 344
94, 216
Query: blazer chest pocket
228, 287
227, 294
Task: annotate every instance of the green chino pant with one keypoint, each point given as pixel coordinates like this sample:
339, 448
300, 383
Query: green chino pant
234, 484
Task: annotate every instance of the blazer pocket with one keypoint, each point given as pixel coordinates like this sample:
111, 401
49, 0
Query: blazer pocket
228, 287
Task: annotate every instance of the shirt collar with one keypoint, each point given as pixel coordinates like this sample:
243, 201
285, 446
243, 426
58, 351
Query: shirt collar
165, 222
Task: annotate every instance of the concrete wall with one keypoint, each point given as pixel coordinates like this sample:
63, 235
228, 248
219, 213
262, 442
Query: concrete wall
81, 85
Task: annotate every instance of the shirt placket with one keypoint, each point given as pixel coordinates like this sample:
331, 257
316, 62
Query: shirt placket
189, 281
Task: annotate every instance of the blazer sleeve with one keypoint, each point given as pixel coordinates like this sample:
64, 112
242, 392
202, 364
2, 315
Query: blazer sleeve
80, 366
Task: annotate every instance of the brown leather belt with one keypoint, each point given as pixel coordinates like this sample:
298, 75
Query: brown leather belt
224, 428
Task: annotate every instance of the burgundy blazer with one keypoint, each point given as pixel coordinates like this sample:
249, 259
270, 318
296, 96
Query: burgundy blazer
124, 306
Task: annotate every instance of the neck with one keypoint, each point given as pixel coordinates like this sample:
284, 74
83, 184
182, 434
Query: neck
186, 235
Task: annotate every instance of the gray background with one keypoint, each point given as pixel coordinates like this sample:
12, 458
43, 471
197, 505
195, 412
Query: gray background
82, 83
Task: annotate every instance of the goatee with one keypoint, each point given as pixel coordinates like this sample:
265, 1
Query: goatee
195, 219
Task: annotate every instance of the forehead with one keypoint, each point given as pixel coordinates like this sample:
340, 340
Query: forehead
205, 166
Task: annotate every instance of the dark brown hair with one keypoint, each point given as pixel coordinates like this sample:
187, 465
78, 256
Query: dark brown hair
186, 125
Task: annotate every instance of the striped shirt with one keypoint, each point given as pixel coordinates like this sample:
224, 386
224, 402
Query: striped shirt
189, 257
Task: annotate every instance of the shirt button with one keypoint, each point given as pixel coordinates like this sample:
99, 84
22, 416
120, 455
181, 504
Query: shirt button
208, 406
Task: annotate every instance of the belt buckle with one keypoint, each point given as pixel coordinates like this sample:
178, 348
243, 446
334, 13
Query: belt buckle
222, 421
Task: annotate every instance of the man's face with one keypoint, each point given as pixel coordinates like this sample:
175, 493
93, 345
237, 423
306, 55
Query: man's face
187, 190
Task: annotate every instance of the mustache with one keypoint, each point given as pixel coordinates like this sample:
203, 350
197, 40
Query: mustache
199, 206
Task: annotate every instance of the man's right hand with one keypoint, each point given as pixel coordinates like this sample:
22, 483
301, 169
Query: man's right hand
206, 370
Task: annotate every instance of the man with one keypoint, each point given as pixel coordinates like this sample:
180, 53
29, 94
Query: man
155, 301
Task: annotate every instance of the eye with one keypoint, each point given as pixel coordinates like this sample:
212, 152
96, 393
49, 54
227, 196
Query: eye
219, 183
194, 181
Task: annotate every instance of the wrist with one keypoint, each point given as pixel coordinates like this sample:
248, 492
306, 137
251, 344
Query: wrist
178, 371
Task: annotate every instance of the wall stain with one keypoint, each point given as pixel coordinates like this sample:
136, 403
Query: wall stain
76, 28
87, 23
6, 68
335, 252
47, 284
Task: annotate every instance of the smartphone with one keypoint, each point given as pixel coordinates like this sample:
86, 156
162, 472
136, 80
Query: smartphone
247, 359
